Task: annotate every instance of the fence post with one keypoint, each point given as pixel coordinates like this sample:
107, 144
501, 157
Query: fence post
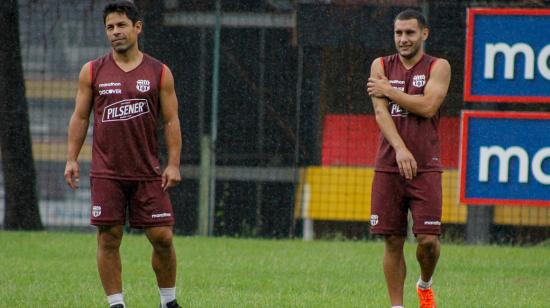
478, 226
214, 120
204, 186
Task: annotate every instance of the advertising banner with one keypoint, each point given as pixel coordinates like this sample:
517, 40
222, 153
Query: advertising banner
507, 55
505, 158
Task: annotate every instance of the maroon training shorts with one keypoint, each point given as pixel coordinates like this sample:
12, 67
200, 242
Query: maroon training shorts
392, 196
147, 204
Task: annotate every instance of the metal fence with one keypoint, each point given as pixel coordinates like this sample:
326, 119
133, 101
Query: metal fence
296, 133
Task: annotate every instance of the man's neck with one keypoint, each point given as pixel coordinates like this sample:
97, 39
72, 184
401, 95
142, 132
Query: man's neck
410, 62
128, 57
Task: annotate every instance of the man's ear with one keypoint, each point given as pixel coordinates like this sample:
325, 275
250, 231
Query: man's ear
425, 33
139, 26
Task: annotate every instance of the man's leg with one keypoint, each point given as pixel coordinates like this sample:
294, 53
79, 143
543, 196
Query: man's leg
427, 254
108, 258
164, 264
395, 269
164, 255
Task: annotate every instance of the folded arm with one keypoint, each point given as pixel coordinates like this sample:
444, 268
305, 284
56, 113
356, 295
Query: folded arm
426, 105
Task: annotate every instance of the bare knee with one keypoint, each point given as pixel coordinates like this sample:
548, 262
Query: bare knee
161, 240
428, 243
109, 238
394, 243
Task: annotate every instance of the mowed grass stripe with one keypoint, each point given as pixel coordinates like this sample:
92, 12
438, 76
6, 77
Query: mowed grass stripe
51, 269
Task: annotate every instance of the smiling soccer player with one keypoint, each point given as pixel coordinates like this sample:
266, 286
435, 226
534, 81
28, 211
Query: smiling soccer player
127, 91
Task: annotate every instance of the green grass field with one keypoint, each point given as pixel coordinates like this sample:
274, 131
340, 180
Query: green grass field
51, 269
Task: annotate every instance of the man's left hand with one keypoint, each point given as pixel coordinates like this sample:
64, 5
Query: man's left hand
378, 86
170, 177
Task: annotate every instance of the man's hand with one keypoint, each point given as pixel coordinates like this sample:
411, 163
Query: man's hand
72, 175
406, 163
378, 86
170, 177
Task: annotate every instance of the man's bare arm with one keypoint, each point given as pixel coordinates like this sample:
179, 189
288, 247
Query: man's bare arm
405, 160
78, 126
172, 132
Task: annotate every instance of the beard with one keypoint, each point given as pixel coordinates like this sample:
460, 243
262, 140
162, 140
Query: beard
410, 53
122, 48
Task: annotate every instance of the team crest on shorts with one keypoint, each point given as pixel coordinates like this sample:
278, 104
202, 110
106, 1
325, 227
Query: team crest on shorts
373, 220
96, 210
143, 85
419, 80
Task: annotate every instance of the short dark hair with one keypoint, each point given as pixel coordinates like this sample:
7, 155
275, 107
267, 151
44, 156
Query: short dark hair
412, 14
122, 7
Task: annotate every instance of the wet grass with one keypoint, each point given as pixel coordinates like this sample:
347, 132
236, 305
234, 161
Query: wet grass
54, 269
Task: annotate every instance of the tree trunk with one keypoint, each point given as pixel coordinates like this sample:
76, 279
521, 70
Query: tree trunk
21, 203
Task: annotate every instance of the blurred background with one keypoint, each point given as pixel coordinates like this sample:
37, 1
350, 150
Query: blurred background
279, 140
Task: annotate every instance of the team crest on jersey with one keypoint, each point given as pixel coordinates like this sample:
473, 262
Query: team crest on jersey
96, 210
419, 80
143, 85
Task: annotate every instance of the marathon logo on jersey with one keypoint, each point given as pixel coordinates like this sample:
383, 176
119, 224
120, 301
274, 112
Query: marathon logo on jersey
96, 210
397, 111
419, 81
110, 84
398, 84
110, 91
125, 110
143, 85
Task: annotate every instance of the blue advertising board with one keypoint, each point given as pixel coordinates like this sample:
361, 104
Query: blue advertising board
505, 158
507, 55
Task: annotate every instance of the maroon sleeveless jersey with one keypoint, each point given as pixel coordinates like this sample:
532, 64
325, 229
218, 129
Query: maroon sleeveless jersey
420, 134
126, 106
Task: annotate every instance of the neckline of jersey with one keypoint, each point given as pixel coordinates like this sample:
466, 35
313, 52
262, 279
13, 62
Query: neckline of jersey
120, 68
412, 67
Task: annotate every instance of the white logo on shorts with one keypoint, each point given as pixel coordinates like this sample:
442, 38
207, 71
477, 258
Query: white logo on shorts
373, 220
96, 210
161, 215
432, 223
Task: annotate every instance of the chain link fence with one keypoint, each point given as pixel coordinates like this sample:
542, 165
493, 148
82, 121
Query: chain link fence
296, 132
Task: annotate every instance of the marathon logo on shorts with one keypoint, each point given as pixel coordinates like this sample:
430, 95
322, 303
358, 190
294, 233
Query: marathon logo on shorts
96, 210
125, 110
161, 215
432, 223
373, 220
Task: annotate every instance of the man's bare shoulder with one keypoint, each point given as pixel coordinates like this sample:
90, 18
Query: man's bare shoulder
442, 64
377, 66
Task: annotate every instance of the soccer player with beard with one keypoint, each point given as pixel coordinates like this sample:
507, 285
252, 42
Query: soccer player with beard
407, 90
128, 91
